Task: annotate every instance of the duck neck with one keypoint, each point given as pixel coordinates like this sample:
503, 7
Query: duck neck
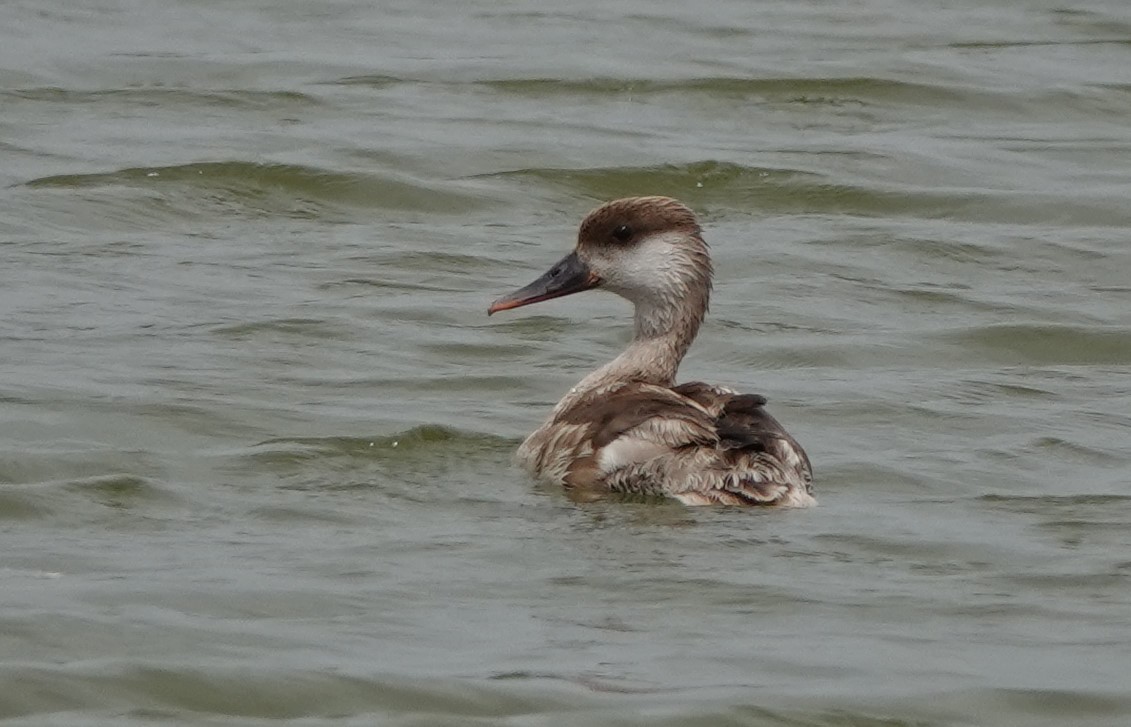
665, 327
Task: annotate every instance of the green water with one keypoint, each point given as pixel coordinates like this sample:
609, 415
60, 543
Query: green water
256, 428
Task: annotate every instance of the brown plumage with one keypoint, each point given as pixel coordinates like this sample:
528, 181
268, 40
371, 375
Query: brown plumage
627, 427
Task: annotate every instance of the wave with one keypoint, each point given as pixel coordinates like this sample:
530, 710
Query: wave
195, 98
717, 186
428, 442
276, 189
803, 89
71, 498
147, 692
1045, 344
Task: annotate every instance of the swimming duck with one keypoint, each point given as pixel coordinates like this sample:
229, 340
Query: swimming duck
627, 427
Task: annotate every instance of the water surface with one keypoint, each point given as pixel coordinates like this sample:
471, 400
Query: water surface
256, 428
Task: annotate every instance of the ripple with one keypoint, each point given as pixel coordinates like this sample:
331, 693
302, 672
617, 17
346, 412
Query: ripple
118, 490
275, 189
15, 505
170, 689
1061, 506
69, 497
717, 186
1044, 344
75, 462
516, 697
369, 80
416, 445
298, 327
694, 183
801, 89
144, 693
1069, 451
164, 97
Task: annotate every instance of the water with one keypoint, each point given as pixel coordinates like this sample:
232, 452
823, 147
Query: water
256, 429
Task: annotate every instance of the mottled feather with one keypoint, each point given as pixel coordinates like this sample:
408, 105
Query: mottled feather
696, 443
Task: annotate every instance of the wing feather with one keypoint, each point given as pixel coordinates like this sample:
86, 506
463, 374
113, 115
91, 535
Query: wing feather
697, 443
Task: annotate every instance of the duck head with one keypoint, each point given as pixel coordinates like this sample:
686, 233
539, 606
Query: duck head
648, 250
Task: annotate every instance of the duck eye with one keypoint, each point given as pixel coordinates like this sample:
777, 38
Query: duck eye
622, 233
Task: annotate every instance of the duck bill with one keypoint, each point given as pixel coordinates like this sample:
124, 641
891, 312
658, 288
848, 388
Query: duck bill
570, 275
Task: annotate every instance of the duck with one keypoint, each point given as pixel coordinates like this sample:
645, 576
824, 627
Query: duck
627, 427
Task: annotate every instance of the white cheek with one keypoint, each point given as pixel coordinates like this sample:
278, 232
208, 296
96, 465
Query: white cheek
644, 268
